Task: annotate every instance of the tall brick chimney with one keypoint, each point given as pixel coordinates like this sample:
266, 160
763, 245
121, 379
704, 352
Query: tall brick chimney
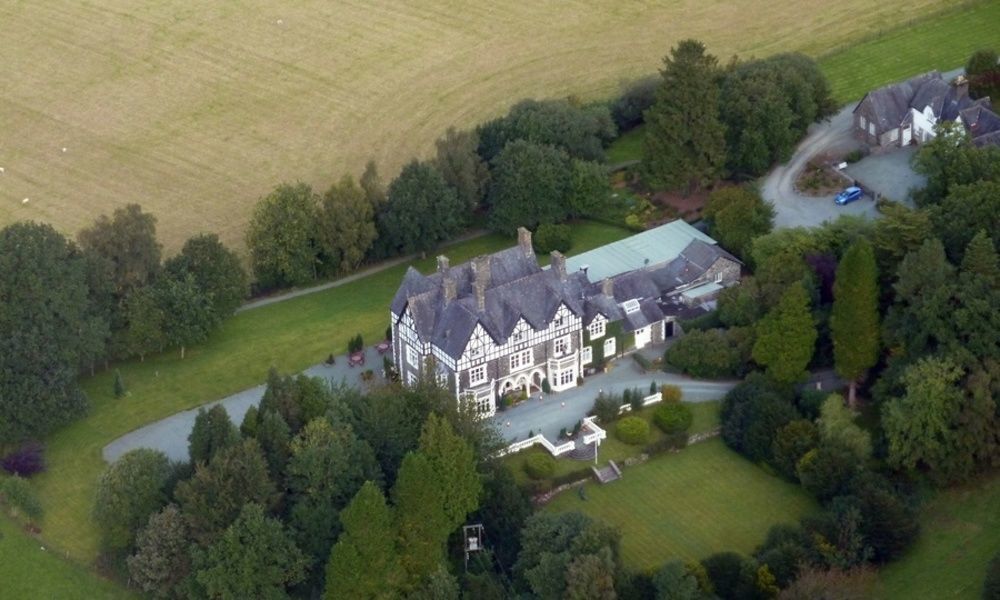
480, 279
450, 288
524, 241
443, 263
558, 263
608, 287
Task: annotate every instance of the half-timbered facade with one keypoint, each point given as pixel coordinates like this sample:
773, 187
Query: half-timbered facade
501, 324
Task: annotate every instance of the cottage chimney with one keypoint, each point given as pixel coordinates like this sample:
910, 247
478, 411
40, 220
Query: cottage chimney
443, 263
480, 279
961, 85
450, 288
608, 287
524, 241
559, 264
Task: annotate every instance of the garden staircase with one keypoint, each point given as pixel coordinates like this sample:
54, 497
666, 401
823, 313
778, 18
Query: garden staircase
607, 474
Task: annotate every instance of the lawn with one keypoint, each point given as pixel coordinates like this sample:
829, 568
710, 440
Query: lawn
290, 336
197, 109
628, 147
943, 43
702, 500
29, 570
960, 533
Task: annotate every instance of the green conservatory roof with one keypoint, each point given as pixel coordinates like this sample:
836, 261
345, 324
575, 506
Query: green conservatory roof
649, 248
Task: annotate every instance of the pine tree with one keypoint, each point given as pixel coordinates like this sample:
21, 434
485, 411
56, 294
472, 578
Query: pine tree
976, 319
455, 467
685, 141
119, 385
854, 322
212, 431
786, 337
363, 563
422, 523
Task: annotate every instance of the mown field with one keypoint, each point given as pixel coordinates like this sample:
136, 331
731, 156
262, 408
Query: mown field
195, 110
960, 533
702, 500
290, 336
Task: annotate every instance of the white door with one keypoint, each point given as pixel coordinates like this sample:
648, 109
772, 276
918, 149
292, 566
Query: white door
642, 336
907, 134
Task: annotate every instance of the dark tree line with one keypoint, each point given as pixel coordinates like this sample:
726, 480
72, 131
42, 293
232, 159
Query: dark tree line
67, 307
709, 121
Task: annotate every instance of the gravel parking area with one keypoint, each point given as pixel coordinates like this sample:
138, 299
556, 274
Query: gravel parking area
889, 174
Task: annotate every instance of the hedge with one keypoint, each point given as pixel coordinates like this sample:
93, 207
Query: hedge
667, 443
540, 466
633, 431
673, 418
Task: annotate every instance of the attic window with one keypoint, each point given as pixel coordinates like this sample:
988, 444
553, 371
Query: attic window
630, 306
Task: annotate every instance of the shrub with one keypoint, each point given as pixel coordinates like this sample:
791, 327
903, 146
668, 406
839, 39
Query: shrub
711, 354
636, 98
540, 466
633, 431
652, 388
671, 393
637, 399
571, 477
673, 418
791, 443
729, 575
606, 408
642, 361
119, 387
546, 386
667, 443
854, 156
549, 237
826, 471
25, 461
16, 493
991, 587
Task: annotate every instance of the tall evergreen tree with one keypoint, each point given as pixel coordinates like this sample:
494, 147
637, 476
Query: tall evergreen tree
854, 322
162, 560
454, 464
920, 320
685, 143
274, 436
363, 563
977, 318
213, 430
421, 520
786, 337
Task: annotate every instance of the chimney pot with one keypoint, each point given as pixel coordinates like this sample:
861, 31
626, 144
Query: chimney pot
450, 288
524, 241
443, 263
608, 287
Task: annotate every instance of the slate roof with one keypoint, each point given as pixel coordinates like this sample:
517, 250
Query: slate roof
982, 124
891, 104
516, 287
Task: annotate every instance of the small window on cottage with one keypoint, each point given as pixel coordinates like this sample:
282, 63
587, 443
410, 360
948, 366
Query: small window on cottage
609, 347
586, 355
597, 329
411, 378
871, 128
412, 357
630, 306
864, 122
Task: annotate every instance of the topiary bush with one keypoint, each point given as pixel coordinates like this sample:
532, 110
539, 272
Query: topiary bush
606, 408
550, 237
673, 418
25, 461
633, 431
540, 466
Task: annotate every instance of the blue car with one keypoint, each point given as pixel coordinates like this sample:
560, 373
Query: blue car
848, 195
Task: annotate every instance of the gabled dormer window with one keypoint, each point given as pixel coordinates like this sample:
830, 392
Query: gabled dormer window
630, 306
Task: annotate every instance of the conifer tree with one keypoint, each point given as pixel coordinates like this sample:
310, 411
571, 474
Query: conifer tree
854, 322
421, 520
685, 141
119, 385
454, 465
363, 563
786, 337
212, 431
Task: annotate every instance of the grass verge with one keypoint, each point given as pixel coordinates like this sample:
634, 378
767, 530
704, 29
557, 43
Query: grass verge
702, 500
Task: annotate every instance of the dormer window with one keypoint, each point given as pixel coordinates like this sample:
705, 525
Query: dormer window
630, 306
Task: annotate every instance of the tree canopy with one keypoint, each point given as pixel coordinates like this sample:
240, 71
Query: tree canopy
422, 210
346, 226
854, 323
532, 185
786, 337
737, 215
282, 237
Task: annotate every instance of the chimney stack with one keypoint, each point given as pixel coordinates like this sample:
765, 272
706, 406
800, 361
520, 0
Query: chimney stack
608, 287
443, 263
480, 279
961, 87
450, 286
524, 241
559, 264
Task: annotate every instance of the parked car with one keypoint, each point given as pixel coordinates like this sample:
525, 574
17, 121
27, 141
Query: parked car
848, 195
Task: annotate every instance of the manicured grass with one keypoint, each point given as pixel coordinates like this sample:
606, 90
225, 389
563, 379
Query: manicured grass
702, 500
627, 147
960, 534
942, 42
290, 336
198, 109
29, 571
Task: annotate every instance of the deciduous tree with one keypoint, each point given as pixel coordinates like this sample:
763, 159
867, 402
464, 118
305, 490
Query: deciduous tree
130, 490
531, 185
459, 163
128, 242
346, 226
188, 315
282, 237
217, 271
145, 333
162, 560
422, 210
737, 215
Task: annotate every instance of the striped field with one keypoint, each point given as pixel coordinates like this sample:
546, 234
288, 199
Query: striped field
702, 500
196, 109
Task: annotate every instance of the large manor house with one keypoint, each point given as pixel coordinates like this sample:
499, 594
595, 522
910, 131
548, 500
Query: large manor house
501, 324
